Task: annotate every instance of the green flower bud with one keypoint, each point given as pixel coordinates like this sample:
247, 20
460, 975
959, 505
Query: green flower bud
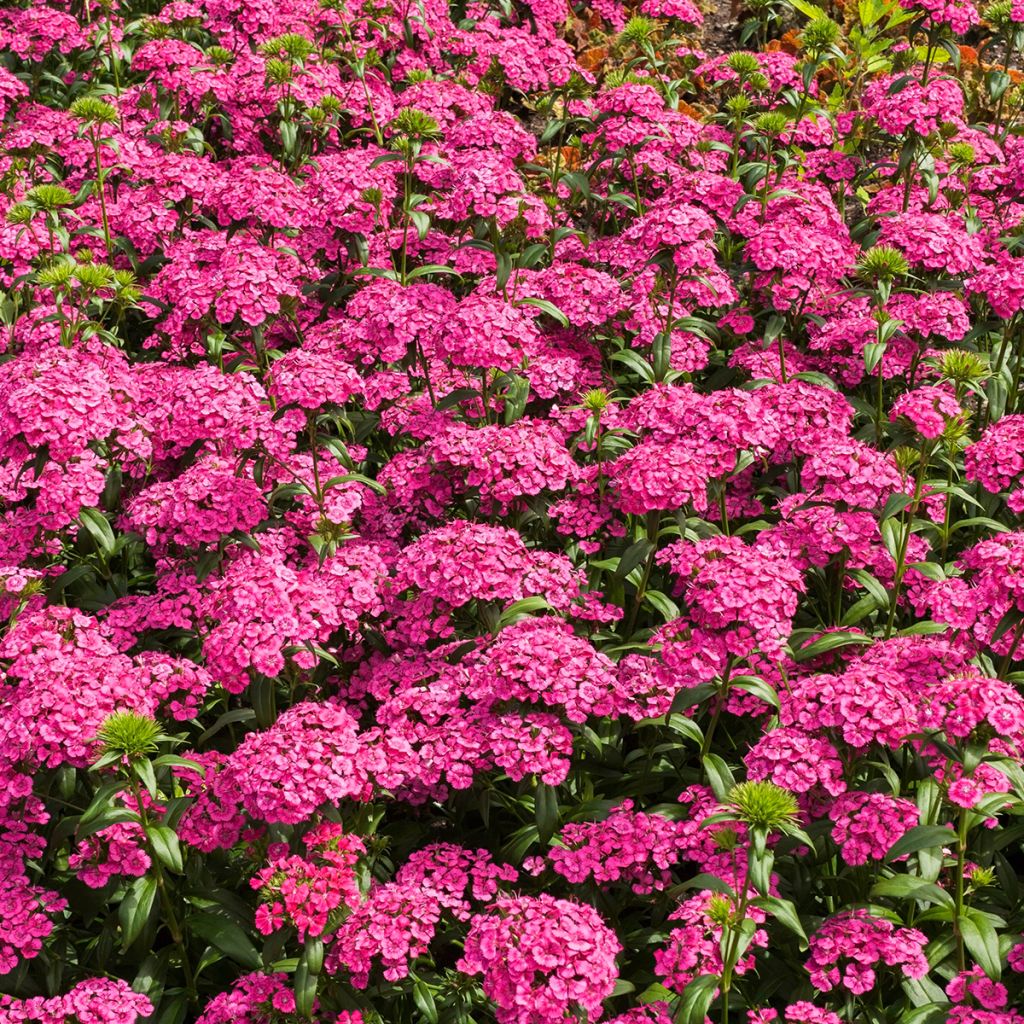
20, 213
129, 734
415, 124
820, 34
744, 64
293, 45
93, 110
882, 262
50, 197
638, 30
56, 276
763, 805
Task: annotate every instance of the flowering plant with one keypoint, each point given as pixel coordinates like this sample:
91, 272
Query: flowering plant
510, 513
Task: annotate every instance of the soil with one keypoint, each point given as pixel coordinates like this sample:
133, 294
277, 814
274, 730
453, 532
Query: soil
721, 30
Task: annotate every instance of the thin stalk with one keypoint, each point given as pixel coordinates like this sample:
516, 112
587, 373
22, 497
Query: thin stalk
1004, 665
173, 926
901, 556
94, 136
958, 894
651, 528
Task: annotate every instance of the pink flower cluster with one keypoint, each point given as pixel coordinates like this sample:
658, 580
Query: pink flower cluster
541, 958
849, 948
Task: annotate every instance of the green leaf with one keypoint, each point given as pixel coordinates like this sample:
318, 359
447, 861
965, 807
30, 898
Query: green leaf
133, 914
981, 940
171, 1011
758, 687
996, 83
173, 761
546, 810
112, 816
636, 363
226, 936
921, 837
305, 984
424, 1000
547, 307
698, 996
692, 696
101, 801
719, 776
685, 727
930, 570
359, 478
785, 913
520, 610
313, 954
707, 881
830, 642
99, 529
895, 504
164, 842
913, 888
633, 556
432, 268
663, 604
144, 769
654, 993
873, 352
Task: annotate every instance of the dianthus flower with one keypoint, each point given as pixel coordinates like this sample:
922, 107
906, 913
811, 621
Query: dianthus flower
958, 15
214, 819
1002, 284
899, 104
929, 409
206, 502
959, 705
542, 661
96, 1001
659, 475
311, 379
797, 761
305, 891
307, 758
996, 459
630, 846
253, 999
455, 876
934, 241
852, 472
486, 332
801, 1012
749, 590
447, 568
694, 946
394, 924
974, 985
211, 274
868, 824
117, 850
848, 948
863, 705
541, 958
507, 463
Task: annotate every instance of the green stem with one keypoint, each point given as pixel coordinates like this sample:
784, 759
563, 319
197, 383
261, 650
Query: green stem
173, 926
901, 556
958, 894
1004, 665
651, 528
100, 192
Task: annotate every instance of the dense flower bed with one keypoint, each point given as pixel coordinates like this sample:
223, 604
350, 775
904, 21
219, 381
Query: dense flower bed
509, 513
